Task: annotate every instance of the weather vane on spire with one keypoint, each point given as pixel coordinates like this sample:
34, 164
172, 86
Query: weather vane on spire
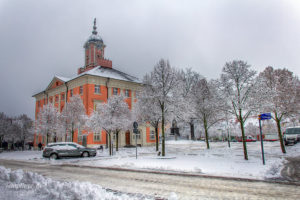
94, 28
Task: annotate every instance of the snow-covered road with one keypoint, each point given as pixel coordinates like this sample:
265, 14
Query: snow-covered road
185, 156
162, 185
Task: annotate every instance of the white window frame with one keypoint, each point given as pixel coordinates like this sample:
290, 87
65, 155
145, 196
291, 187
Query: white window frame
127, 93
97, 89
152, 135
115, 91
138, 135
81, 90
97, 136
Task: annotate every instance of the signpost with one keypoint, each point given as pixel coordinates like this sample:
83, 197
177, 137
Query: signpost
135, 130
264, 116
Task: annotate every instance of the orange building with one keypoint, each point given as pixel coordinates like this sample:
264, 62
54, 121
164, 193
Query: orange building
95, 83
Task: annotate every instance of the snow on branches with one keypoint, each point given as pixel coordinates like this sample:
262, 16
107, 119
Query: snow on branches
281, 92
237, 85
161, 83
73, 116
47, 121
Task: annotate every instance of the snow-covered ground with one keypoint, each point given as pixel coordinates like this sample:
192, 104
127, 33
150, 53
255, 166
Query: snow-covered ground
187, 156
19, 185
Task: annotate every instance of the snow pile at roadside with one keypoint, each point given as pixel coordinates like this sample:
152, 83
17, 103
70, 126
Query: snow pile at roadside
46, 188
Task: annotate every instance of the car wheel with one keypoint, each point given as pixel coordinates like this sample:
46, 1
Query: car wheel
53, 156
85, 154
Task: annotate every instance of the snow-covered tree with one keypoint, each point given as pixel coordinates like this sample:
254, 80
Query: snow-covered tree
207, 104
281, 89
112, 117
26, 129
5, 124
183, 108
73, 116
237, 84
162, 83
47, 121
147, 110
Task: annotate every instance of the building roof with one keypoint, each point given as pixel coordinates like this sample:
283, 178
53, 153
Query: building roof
109, 73
64, 79
100, 72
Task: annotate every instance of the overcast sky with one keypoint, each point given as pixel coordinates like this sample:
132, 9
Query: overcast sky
40, 39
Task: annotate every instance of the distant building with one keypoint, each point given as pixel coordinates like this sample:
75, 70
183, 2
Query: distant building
95, 83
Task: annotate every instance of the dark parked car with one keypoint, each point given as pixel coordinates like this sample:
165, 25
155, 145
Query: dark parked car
67, 149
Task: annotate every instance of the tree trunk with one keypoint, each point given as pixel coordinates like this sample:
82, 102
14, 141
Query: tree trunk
280, 134
206, 132
72, 133
228, 138
117, 141
192, 130
156, 138
243, 135
163, 152
1, 141
109, 140
106, 141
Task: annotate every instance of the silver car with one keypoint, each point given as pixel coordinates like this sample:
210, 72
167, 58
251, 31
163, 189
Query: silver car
67, 149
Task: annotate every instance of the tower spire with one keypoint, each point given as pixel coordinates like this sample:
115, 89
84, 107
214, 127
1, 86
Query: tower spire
94, 28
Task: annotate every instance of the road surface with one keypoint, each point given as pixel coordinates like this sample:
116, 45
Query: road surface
162, 185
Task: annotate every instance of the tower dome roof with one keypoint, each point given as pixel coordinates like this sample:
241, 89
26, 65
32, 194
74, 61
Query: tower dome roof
94, 38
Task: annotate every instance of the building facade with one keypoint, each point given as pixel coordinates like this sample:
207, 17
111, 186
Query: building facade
95, 83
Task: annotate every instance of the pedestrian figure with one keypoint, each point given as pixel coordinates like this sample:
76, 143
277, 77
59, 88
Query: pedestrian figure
101, 148
40, 146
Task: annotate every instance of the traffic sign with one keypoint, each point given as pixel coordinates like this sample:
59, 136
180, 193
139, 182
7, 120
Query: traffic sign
135, 125
265, 116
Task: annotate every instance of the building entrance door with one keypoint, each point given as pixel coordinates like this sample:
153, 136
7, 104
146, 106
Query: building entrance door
127, 138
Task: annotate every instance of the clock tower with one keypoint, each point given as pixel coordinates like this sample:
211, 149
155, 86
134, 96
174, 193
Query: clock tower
94, 52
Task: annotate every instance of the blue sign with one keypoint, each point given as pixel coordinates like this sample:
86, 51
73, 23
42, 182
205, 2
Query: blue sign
265, 116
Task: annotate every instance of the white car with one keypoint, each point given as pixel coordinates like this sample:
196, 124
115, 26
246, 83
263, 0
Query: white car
291, 135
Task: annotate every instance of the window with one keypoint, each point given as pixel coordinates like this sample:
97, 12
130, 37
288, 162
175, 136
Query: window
71, 92
138, 135
127, 94
80, 90
56, 98
69, 138
79, 135
62, 97
152, 135
97, 89
73, 146
97, 136
115, 91
51, 99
